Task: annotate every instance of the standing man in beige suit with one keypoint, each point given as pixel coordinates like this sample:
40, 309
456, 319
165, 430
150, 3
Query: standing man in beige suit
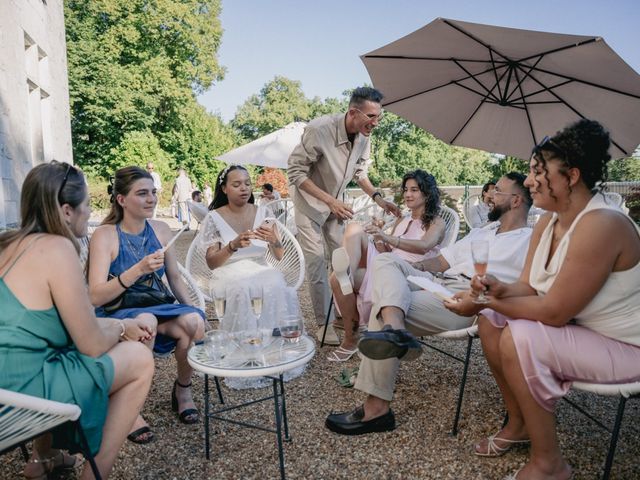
334, 150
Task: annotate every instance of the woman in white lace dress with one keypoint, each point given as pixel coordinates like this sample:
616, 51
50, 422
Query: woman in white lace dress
236, 239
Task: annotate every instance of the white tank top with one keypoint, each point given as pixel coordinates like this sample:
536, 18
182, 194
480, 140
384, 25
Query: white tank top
615, 310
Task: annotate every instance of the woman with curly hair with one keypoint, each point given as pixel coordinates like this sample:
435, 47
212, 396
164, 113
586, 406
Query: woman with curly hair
574, 314
414, 237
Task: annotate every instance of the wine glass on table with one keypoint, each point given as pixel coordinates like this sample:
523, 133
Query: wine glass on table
480, 256
291, 326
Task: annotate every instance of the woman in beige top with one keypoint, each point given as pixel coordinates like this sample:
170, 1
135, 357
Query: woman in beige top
575, 270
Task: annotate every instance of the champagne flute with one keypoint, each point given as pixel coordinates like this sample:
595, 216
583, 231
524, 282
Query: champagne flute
220, 302
480, 256
256, 302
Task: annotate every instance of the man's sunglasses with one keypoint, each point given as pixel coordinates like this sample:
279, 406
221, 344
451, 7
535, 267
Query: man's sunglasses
370, 116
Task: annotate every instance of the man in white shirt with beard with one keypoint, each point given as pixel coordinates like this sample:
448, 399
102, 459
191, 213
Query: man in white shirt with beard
401, 310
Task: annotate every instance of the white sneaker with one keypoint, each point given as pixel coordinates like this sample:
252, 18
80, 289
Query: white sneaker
340, 264
331, 338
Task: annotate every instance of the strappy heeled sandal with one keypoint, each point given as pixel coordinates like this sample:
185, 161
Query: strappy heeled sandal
189, 415
495, 450
49, 465
341, 354
142, 435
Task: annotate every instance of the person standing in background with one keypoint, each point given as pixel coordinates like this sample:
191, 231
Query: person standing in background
208, 194
157, 184
334, 150
183, 195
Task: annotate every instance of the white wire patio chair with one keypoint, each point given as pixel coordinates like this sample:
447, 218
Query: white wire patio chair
282, 209
534, 215
25, 417
292, 265
361, 202
472, 219
452, 225
198, 212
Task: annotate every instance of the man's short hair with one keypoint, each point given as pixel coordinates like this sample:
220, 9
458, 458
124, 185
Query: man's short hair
195, 193
519, 179
268, 186
365, 94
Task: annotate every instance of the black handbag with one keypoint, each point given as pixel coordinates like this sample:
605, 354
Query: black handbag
143, 293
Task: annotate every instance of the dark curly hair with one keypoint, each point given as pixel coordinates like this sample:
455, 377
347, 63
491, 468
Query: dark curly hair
583, 145
429, 188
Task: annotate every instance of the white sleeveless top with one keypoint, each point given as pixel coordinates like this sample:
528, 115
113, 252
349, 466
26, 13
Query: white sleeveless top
615, 310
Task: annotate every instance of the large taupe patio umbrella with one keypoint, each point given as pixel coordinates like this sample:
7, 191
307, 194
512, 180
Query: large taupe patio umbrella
503, 89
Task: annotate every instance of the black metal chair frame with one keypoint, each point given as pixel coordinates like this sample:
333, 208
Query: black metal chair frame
280, 407
463, 381
615, 431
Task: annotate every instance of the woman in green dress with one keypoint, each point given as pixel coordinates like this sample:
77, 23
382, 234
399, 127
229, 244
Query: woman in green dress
51, 344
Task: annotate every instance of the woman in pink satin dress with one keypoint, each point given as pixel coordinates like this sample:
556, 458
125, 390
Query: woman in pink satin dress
414, 237
573, 315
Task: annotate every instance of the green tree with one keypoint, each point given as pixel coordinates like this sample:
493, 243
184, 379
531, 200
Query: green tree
280, 102
134, 65
200, 138
499, 165
140, 148
624, 169
398, 146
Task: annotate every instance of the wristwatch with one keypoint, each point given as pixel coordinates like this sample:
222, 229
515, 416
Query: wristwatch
375, 194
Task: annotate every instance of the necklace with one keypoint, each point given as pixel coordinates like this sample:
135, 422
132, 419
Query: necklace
137, 252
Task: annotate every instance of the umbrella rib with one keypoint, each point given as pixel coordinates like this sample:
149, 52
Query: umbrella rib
495, 73
480, 94
473, 77
472, 37
468, 120
435, 59
526, 74
545, 89
586, 82
526, 108
561, 49
570, 107
451, 82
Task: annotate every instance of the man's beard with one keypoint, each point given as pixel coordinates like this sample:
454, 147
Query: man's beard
497, 211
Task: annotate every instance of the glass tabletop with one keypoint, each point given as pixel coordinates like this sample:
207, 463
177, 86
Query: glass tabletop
276, 356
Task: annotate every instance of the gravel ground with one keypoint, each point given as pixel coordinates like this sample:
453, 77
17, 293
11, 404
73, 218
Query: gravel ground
420, 447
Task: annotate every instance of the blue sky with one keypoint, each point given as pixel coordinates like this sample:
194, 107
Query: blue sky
319, 42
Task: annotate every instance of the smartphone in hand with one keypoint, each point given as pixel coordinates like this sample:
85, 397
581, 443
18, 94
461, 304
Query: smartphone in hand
268, 222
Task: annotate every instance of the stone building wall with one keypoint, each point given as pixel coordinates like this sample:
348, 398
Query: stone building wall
34, 95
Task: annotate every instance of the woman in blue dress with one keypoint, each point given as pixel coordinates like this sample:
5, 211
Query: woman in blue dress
127, 249
51, 343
